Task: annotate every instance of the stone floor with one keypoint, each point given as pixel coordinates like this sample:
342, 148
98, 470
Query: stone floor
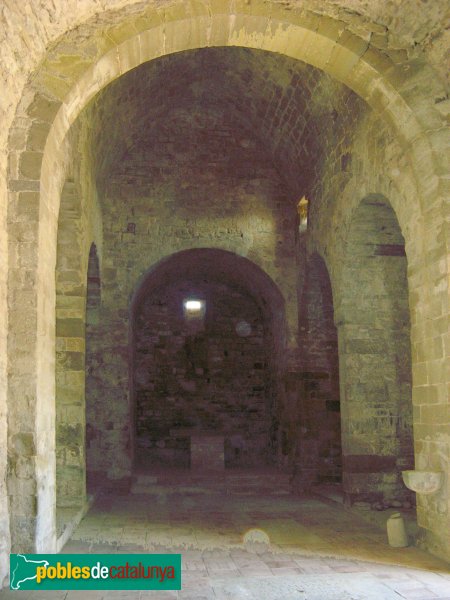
313, 550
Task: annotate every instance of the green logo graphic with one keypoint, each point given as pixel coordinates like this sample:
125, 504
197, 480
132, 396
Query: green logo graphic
95, 571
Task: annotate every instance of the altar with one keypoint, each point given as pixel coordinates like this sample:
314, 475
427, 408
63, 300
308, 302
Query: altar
207, 451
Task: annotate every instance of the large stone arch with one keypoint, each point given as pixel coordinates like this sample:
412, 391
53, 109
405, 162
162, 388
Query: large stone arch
58, 94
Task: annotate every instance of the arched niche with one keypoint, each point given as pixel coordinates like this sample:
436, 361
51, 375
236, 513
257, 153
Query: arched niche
375, 356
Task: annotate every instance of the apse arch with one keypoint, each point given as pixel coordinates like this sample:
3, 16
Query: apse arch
223, 263
226, 281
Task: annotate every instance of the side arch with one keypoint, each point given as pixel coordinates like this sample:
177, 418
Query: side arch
373, 320
221, 263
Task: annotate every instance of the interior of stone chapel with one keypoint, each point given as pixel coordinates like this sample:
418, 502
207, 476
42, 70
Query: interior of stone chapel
226, 291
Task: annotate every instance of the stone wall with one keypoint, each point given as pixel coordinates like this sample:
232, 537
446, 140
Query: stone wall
375, 356
319, 455
79, 224
56, 58
378, 169
199, 373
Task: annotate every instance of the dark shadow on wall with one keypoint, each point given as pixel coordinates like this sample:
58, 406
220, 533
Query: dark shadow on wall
93, 301
318, 453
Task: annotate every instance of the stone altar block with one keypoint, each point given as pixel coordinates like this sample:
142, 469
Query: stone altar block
207, 452
207, 449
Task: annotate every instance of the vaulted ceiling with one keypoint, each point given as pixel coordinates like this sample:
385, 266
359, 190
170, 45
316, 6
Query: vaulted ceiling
223, 108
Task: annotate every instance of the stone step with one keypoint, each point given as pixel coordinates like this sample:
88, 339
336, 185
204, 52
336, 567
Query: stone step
231, 483
260, 492
147, 479
161, 490
275, 488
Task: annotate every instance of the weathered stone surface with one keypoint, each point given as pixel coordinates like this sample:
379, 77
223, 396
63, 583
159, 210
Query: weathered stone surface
205, 380
262, 134
30, 165
367, 463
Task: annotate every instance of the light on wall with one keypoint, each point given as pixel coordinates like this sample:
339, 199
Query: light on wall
193, 305
194, 308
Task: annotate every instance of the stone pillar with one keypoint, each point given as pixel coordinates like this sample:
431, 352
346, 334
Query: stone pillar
429, 308
370, 416
70, 403
110, 417
70, 351
31, 459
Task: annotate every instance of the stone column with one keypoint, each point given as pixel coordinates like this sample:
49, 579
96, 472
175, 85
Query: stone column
429, 309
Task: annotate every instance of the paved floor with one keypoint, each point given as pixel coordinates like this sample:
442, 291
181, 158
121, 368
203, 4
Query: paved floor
305, 549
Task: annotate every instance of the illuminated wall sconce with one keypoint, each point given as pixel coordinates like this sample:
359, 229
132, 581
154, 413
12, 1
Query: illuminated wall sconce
302, 208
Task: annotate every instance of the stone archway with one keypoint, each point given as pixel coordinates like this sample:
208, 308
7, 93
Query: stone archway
375, 357
328, 45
